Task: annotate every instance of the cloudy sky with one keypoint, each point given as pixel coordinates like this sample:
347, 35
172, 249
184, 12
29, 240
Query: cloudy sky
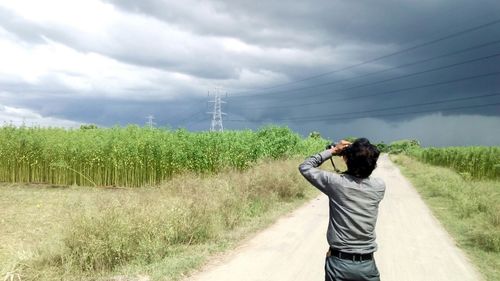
386, 70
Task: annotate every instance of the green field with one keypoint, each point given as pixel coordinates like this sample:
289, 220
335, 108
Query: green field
96, 203
134, 156
93, 204
474, 162
87, 233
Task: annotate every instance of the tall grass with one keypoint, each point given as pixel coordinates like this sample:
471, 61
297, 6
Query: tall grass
109, 229
135, 156
475, 162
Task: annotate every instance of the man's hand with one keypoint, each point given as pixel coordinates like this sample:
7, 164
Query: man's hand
340, 146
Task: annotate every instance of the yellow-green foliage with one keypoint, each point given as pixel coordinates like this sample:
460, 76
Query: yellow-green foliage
400, 146
477, 162
135, 156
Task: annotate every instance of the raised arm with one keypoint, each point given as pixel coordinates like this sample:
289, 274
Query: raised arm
321, 179
318, 178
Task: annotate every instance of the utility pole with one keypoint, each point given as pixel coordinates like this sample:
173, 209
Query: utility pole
150, 122
217, 113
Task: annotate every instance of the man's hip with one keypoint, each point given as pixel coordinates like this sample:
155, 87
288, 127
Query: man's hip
343, 267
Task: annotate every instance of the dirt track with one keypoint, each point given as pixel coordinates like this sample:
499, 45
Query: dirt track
412, 244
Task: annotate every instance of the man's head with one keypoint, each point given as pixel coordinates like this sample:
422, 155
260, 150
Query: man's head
361, 158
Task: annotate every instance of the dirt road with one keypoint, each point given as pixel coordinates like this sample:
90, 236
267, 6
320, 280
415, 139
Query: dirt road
413, 246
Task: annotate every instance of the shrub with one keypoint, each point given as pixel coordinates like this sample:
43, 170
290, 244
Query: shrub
403, 146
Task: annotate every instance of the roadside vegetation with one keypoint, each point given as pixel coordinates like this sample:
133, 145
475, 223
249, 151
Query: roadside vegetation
102, 204
469, 208
163, 232
473, 162
165, 200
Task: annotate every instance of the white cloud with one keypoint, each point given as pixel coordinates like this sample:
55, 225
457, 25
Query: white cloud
88, 16
139, 39
85, 74
22, 116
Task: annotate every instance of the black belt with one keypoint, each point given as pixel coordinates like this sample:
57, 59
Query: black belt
349, 256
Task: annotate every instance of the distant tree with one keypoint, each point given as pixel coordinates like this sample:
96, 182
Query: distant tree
88, 127
314, 135
403, 146
382, 147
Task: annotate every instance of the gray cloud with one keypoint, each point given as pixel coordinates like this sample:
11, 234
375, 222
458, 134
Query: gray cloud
299, 23
178, 50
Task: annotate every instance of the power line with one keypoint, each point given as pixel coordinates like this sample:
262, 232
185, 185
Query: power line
384, 115
385, 92
376, 72
320, 117
199, 119
456, 34
190, 118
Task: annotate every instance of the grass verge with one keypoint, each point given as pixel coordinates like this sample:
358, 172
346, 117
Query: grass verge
469, 210
161, 233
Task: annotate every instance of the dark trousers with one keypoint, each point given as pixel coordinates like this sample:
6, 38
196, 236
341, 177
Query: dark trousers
337, 269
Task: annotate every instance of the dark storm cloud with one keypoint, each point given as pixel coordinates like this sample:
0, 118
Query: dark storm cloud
300, 23
315, 24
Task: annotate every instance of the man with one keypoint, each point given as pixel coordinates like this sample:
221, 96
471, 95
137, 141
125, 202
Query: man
354, 198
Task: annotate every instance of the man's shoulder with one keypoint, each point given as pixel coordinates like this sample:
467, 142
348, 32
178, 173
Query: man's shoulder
377, 182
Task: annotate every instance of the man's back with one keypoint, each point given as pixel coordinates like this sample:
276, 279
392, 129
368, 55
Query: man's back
354, 199
353, 205
353, 213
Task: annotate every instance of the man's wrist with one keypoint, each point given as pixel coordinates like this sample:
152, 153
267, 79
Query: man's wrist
327, 154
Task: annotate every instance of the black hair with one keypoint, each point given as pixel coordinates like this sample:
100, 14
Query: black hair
361, 158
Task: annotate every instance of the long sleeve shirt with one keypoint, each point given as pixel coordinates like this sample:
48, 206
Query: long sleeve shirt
353, 204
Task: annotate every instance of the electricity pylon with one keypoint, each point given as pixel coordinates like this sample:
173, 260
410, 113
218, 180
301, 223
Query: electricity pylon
217, 113
150, 122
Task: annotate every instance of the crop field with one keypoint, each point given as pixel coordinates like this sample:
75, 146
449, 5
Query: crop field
477, 162
164, 201
135, 156
93, 204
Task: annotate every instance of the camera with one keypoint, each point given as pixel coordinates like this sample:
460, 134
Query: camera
342, 152
330, 146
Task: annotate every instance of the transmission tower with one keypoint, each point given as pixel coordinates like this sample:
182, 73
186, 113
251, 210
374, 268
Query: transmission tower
217, 113
150, 122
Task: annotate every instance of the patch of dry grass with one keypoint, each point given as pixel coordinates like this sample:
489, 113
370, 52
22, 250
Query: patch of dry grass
79, 233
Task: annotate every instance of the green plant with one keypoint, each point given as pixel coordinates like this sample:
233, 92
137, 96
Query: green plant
472, 162
135, 156
403, 146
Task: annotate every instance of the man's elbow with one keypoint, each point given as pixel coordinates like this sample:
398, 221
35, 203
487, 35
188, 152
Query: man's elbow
303, 168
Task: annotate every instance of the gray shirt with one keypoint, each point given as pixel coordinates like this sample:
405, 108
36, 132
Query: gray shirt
353, 205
